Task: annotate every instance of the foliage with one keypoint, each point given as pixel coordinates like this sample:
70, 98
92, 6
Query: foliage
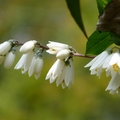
98, 42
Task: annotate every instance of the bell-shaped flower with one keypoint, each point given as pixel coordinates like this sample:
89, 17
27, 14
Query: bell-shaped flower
36, 66
68, 75
55, 47
110, 62
28, 46
63, 72
112, 66
9, 59
114, 84
97, 63
25, 62
5, 47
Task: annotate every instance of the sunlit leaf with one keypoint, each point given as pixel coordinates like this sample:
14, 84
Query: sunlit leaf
75, 10
98, 42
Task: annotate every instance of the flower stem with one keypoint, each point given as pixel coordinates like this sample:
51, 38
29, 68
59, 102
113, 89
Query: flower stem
82, 55
46, 48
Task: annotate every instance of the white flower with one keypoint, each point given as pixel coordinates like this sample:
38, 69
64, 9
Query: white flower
112, 64
114, 85
36, 67
5, 47
63, 69
62, 72
97, 63
55, 70
63, 54
68, 75
28, 46
25, 62
55, 47
9, 60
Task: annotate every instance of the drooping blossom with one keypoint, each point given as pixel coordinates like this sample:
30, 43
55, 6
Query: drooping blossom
36, 65
62, 70
96, 64
62, 73
24, 62
110, 63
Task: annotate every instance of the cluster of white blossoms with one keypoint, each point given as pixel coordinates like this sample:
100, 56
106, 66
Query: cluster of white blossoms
108, 61
31, 61
63, 69
7, 53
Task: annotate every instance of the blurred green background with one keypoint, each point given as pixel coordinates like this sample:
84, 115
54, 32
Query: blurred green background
24, 98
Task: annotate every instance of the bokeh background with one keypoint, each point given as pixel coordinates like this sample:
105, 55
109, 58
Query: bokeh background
25, 98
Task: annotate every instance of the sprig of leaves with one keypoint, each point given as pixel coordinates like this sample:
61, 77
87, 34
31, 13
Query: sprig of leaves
98, 41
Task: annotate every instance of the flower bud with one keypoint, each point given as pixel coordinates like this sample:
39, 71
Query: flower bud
28, 46
5, 47
9, 60
55, 47
63, 54
36, 67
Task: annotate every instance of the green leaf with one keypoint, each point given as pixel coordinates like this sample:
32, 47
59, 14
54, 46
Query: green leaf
98, 42
75, 10
101, 5
115, 38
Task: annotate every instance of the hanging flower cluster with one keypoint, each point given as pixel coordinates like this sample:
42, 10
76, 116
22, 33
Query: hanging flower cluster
31, 61
109, 62
62, 71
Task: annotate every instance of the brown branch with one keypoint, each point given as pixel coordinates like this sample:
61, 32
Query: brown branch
17, 43
82, 55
